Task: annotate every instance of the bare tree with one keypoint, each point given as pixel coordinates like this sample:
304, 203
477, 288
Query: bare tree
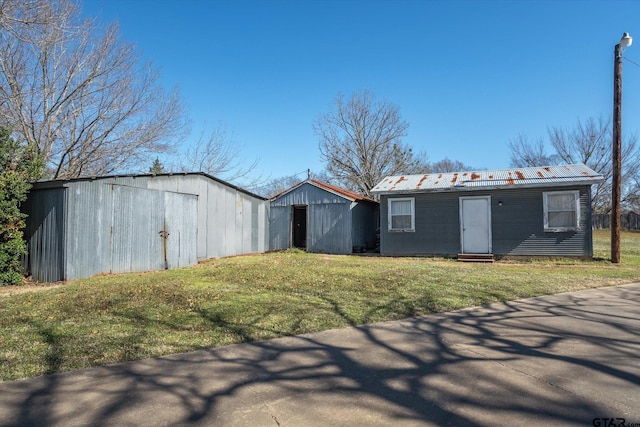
360, 141
587, 142
217, 154
447, 165
526, 153
81, 95
275, 186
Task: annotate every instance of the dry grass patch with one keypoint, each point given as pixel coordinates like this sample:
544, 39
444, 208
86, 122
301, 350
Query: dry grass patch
110, 319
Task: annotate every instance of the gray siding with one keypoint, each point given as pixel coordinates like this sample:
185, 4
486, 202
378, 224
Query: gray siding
230, 222
332, 226
279, 227
365, 217
89, 219
329, 228
85, 227
517, 225
44, 234
437, 227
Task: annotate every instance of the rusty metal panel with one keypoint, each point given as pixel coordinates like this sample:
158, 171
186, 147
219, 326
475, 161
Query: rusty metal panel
533, 177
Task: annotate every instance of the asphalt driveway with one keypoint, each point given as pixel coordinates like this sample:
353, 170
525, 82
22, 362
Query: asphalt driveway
569, 359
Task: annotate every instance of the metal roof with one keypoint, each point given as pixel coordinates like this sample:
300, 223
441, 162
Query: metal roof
342, 192
542, 176
56, 183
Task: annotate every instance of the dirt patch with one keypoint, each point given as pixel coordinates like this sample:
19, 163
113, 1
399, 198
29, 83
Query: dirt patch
6, 291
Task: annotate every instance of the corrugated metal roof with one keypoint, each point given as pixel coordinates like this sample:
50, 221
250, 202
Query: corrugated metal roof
547, 176
341, 191
62, 182
347, 194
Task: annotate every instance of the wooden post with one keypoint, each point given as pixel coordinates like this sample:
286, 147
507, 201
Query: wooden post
617, 160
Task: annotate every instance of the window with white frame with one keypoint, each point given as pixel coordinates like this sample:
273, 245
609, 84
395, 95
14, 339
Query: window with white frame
561, 210
402, 214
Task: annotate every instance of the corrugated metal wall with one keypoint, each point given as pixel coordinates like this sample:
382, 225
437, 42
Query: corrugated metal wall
279, 227
88, 221
85, 227
152, 230
138, 218
365, 218
180, 229
230, 221
517, 225
332, 226
45, 234
329, 228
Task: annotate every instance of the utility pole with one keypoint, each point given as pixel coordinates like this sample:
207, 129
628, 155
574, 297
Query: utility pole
616, 179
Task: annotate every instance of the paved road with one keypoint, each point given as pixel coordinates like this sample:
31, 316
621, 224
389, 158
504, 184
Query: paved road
558, 360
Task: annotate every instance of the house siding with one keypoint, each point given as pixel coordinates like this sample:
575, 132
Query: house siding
437, 227
517, 226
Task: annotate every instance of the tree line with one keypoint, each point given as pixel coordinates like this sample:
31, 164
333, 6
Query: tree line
76, 100
589, 142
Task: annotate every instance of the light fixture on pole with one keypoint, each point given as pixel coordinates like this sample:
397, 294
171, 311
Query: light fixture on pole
616, 179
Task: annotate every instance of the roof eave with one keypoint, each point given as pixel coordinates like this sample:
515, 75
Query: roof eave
462, 188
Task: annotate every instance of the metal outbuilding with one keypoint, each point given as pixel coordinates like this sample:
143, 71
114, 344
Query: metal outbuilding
128, 223
538, 211
320, 217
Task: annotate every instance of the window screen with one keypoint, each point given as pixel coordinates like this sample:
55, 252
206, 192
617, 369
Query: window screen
561, 210
401, 214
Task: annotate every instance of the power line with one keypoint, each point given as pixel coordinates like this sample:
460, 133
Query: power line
633, 62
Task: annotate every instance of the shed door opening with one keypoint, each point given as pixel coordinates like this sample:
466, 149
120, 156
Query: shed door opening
300, 227
475, 224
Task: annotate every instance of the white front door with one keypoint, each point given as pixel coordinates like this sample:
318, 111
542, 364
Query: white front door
475, 224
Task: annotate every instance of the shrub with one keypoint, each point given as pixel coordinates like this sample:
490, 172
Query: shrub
19, 165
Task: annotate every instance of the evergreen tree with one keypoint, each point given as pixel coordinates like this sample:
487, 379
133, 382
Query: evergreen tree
19, 166
157, 167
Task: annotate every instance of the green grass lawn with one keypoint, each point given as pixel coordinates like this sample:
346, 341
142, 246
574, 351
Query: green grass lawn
110, 319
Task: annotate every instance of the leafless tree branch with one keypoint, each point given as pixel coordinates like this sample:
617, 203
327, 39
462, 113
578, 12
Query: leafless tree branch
80, 94
361, 141
587, 142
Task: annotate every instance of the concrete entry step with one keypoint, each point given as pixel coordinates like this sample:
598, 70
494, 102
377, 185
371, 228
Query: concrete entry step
475, 257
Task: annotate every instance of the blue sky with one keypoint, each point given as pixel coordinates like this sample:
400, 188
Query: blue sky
467, 75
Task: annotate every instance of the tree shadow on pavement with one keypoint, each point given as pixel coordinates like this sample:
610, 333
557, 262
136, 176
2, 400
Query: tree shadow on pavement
563, 359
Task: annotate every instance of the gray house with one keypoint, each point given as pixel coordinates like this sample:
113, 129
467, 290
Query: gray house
320, 217
540, 211
115, 224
